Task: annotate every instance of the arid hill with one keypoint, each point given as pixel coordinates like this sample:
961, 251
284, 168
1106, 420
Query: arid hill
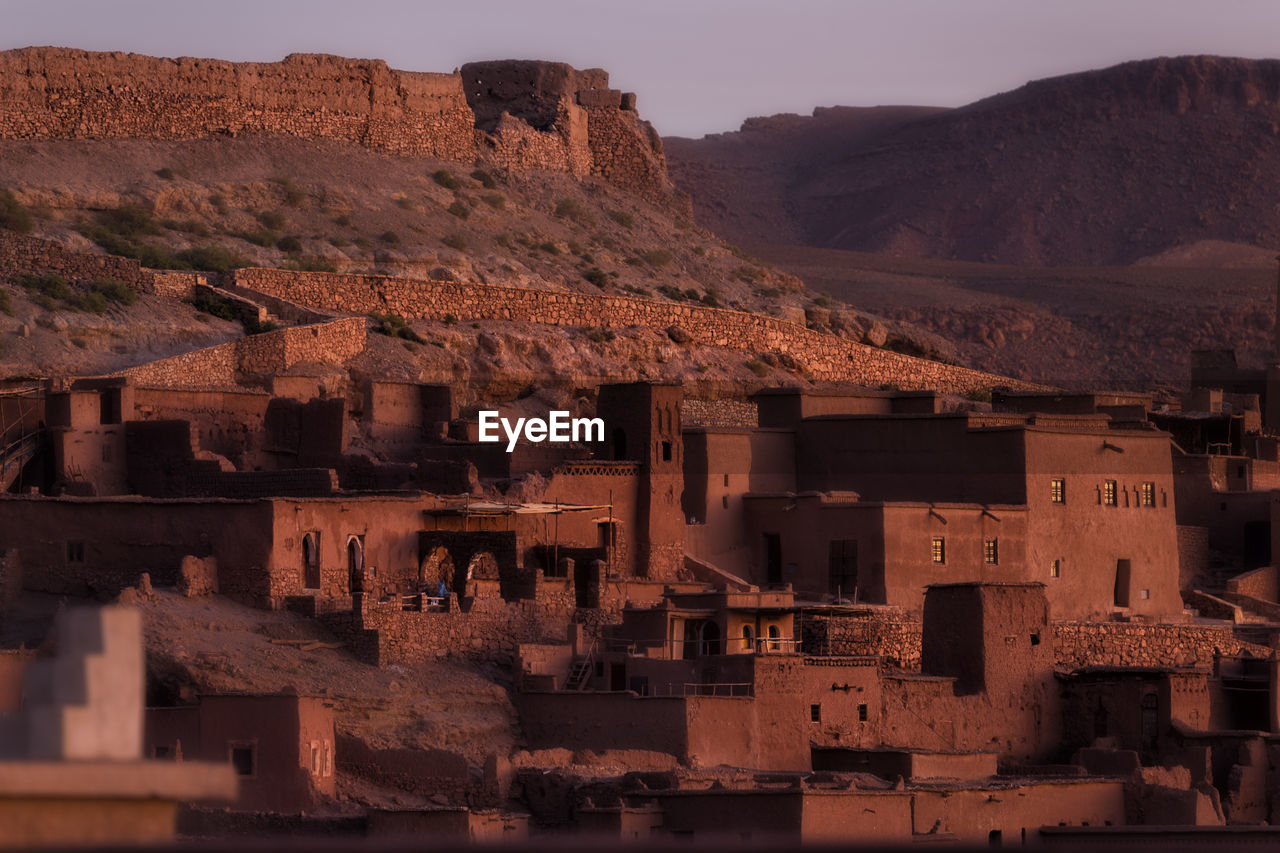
1102, 167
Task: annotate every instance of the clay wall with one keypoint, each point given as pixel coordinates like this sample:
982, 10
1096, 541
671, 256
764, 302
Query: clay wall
87, 546
825, 356
10, 579
229, 423
426, 772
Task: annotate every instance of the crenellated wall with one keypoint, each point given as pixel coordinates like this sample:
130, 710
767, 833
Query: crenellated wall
824, 356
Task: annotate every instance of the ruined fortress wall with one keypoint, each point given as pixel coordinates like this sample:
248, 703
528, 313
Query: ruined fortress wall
75, 94
224, 365
519, 115
825, 356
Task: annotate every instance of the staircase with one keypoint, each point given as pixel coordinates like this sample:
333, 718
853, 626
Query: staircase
579, 673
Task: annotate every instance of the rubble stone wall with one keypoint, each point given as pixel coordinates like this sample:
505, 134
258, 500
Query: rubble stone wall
22, 254
518, 115
226, 365
825, 356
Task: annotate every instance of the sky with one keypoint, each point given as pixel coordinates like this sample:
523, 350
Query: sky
697, 66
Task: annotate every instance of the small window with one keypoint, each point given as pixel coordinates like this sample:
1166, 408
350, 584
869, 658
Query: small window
939, 549
666, 451
862, 713
75, 551
748, 638
724, 501
726, 481
991, 552
1149, 494
1035, 638
160, 752
242, 759
1058, 490
1055, 569
815, 713
1144, 594
315, 757
328, 758
1109, 493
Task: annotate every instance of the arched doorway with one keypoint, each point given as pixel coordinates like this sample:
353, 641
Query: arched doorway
355, 564
435, 570
748, 639
311, 561
708, 639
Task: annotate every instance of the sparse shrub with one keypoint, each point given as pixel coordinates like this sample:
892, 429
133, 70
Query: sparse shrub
459, 209
549, 247
80, 342
711, 299
979, 395
6, 303
504, 240
445, 178
756, 366
310, 264
363, 243
210, 304
450, 320
699, 250
407, 333
294, 195
272, 220
672, 292
129, 220
391, 238
889, 386
342, 219
165, 174
769, 292
475, 325
822, 300
486, 180
454, 241
186, 226
52, 286
575, 247
657, 257
290, 244
599, 336
404, 203
265, 238
596, 276
568, 208
494, 200
212, 258
92, 302
338, 242
219, 203
749, 274
623, 218
115, 290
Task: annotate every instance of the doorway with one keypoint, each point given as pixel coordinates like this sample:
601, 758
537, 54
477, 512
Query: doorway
1121, 594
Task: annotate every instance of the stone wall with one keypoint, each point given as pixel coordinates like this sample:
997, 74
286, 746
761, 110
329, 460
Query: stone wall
718, 413
1076, 644
1080, 644
228, 365
20, 254
825, 356
61, 93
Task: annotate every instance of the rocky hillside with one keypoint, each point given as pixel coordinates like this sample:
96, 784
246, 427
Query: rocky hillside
1103, 167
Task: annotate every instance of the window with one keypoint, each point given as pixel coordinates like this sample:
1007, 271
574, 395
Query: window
862, 713
724, 501
242, 759
1109, 493
75, 551
311, 560
315, 757
842, 567
1058, 490
774, 636
726, 481
666, 451
1144, 594
939, 549
1148, 494
991, 551
106, 453
1055, 569
815, 713
160, 752
748, 639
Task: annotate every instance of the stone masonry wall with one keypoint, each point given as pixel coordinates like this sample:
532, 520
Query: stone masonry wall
1076, 644
519, 115
19, 254
227, 365
825, 356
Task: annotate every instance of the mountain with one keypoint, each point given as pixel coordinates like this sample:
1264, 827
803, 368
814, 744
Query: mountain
1098, 168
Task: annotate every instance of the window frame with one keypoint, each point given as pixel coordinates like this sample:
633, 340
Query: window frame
1058, 490
1147, 495
938, 550
1110, 493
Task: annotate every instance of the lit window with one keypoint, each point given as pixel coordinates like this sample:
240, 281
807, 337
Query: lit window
991, 551
1109, 493
1148, 494
1058, 490
939, 549
1055, 569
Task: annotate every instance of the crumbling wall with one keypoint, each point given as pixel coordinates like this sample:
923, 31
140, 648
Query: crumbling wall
21, 254
825, 356
520, 115
893, 635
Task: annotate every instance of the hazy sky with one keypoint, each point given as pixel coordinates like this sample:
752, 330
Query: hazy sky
698, 66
